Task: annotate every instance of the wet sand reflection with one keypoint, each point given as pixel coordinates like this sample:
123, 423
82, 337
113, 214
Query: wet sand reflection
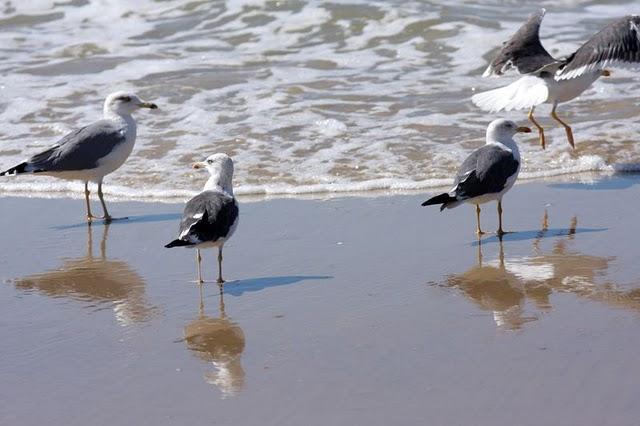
220, 342
504, 286
97, 281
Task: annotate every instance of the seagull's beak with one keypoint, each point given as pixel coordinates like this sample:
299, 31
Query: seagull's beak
606, 73
199, 165
149, 105
523, 129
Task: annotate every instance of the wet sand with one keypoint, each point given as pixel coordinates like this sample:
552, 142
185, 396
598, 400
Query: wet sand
344, 311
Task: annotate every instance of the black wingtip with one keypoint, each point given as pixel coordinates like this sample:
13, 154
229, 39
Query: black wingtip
20, 168
438, 199
178, 243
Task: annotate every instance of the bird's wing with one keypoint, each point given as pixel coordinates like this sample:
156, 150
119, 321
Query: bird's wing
80, 149
207, 217
485, 171
617, 44
523, 51
526, 92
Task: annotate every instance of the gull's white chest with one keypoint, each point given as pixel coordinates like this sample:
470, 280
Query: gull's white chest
565, 90
116, 158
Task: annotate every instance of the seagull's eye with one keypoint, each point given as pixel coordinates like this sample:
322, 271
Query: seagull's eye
210, 161
125, 98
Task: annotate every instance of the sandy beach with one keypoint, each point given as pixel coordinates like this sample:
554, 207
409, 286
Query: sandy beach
343, 311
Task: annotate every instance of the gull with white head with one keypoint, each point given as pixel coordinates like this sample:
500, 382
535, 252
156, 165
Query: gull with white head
554, 81
211, 217
91, 152
487, 173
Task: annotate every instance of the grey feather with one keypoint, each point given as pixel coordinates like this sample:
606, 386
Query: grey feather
524, 51
207, 217
81, 149
485, 171
618, 42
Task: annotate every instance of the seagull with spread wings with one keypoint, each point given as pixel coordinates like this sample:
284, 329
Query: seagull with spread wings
550, 80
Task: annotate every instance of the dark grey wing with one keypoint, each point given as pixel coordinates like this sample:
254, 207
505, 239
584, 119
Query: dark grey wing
485, 171
523, 51
80, 149
617, 44
207, 217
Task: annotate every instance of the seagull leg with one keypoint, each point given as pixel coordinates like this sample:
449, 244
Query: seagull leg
567, 128
538, 126
500, 232
106, 216
199, 264
478, 230
90, 217
220, 280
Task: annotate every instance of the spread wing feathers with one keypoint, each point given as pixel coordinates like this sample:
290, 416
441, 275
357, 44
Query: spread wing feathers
207, 217
523, 51
485, 171
617, 44
525, 92
78, 150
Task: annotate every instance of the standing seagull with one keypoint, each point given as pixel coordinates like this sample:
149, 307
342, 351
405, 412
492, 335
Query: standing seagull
550, 80
487, 174
211, 217
92, 152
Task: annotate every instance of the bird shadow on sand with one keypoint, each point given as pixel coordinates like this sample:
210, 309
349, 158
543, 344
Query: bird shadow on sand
535, 235
239, 287
145, 218
619, 180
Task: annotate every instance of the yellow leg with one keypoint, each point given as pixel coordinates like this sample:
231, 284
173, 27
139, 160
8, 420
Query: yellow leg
90, 217
478, 230
220, 280
106, 216
500, 231
538, 126
567, 128
199, 263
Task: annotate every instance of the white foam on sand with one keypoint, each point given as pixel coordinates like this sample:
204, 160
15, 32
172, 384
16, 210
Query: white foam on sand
308, 98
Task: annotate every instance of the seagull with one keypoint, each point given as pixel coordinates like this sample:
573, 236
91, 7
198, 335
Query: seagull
91, 152
554, 81
487, 173
211, 217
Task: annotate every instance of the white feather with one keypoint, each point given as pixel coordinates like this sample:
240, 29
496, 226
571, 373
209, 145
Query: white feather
596, 67
525, 92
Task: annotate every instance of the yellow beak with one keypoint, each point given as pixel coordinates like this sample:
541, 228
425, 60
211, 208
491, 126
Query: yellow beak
523, 129
149, 105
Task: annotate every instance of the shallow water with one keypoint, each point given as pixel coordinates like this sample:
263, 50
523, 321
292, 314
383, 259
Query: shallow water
307, 96
318, 325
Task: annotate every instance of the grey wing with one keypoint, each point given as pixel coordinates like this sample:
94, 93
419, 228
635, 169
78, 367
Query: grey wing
80, 149
208, 216
485, 171
617, 44
523, 51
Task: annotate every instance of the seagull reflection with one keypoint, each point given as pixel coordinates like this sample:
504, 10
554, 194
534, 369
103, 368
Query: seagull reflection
97, 281
220, 342
504, 286
493, 288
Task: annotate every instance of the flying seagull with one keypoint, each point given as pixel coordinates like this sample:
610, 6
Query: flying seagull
554, 81
211, 217
91, 152
487, 174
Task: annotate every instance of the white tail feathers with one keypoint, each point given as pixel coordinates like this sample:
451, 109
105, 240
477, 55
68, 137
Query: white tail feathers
526, 92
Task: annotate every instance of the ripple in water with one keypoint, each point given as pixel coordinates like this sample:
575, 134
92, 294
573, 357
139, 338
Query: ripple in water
306, 96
